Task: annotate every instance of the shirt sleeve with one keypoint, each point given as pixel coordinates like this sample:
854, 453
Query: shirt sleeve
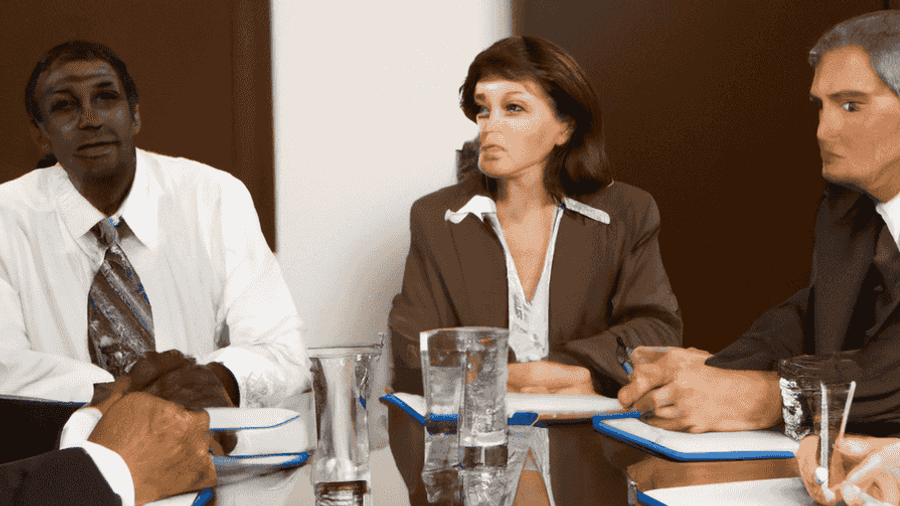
30, 373
113, 468
266, 353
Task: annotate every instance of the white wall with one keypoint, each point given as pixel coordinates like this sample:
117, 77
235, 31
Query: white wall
366, 121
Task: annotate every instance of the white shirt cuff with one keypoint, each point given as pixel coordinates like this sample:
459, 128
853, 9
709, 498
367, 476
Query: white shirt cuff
79, 427
114, 470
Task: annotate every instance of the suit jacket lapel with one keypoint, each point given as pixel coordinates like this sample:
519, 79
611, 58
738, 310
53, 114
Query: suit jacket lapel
571, 262
845, 247
480, 289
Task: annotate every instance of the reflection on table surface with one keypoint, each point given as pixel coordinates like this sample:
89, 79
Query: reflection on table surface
653, 473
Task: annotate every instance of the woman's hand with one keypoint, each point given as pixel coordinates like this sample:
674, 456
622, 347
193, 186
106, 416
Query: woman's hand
545, 377
864, 470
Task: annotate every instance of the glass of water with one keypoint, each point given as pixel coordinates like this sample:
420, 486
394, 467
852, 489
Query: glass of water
464, 373
483, 450
341, 376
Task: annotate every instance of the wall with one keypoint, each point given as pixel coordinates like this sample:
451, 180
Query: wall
706, 106
366, 121
202, 93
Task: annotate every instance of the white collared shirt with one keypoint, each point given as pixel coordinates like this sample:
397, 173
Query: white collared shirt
890, 212
197, 246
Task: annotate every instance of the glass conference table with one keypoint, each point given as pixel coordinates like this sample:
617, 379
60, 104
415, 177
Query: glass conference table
589, 468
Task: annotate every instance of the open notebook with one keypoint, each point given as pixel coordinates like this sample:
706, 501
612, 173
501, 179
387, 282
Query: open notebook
681, 446
527, 409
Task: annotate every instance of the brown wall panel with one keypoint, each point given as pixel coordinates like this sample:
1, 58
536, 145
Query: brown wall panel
202, 69
706, 106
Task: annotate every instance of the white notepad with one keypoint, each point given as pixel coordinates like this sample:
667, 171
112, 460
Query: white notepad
777, 492
741, 445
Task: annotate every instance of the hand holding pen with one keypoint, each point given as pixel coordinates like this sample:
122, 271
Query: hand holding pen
624, 354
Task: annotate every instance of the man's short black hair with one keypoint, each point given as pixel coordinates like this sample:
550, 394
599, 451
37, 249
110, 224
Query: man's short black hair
77, 50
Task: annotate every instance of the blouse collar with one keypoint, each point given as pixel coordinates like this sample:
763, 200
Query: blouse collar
480, 205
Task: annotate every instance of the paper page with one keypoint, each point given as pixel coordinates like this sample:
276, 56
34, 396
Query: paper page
541, 404
778, 492
743, 441
263, 431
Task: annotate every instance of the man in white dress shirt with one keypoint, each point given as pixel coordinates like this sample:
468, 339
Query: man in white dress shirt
190, 232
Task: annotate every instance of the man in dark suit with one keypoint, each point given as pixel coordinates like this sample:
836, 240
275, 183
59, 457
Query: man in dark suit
142, 449
850, 303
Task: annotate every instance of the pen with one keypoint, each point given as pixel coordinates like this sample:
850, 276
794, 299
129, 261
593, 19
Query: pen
623, 353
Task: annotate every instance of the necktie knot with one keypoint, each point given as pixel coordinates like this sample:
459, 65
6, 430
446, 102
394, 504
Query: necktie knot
105, 232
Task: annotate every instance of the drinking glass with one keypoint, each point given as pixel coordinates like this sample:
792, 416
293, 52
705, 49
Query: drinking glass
340, 472
800, 387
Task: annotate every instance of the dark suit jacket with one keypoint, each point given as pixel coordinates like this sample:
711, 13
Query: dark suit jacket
607, 280
59, 477
835, 312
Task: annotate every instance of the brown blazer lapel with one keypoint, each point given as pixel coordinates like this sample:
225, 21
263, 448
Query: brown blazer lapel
845, 247
480, 288
571, 273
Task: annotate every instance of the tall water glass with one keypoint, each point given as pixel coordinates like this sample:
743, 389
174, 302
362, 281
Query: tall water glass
443, 358
340, 472
482, 420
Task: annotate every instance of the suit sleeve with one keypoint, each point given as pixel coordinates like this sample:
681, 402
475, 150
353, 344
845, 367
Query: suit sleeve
643, 309
62, 477
422, 304
779, 333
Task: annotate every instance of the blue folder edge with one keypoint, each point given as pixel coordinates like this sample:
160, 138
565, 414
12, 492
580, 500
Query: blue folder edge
521, 418
205, 495
646, 500
668, 453
516, 419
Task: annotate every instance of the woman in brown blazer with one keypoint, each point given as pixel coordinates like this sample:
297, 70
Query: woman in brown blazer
536, 237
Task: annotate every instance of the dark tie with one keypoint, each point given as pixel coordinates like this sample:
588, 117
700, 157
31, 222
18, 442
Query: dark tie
120, 324
886, 262
879, 291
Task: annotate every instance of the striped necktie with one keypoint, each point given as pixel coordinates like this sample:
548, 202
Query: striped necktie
120, 324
